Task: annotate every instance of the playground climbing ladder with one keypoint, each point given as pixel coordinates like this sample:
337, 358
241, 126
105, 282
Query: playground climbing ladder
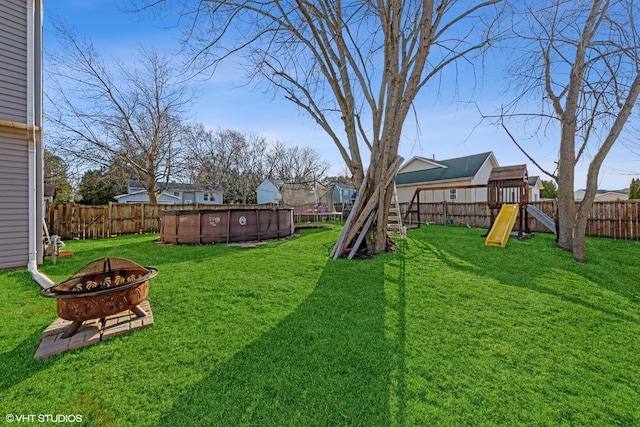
394, 221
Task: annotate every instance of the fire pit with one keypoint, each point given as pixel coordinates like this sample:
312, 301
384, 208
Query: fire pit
104, 287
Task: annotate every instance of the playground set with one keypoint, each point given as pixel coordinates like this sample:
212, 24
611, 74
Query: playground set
508, 200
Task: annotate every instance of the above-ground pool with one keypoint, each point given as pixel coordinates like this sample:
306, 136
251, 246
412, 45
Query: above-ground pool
207, 226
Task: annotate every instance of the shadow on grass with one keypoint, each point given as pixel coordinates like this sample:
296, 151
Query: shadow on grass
18, 364
397, 335
327, 363
522, 266
148, 252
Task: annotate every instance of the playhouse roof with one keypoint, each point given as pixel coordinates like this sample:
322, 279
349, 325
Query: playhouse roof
508, 173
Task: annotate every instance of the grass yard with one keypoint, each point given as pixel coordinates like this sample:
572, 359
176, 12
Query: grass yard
445, 331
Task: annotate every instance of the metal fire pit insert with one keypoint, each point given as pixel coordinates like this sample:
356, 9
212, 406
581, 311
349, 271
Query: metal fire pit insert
104, 287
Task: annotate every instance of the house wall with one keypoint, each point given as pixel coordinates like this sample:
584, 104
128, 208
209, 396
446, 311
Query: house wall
266, 192
534, 193
482, 177
14, 194
416, 164
13, 60
467, 195
215, 198
341, 195
163, 199
170, 199
16, 69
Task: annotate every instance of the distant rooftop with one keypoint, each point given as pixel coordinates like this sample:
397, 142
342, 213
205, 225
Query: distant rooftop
457, 168
176, 186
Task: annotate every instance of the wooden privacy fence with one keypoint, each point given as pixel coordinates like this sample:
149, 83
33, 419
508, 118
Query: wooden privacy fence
72, 221
619, 220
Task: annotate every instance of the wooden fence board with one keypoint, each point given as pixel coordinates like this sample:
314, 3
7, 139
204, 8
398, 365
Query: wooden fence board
71, 221
614, 219
619, 220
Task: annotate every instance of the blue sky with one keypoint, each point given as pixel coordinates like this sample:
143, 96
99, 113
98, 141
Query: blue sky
448, 128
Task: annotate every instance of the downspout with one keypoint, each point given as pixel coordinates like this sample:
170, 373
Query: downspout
35, 236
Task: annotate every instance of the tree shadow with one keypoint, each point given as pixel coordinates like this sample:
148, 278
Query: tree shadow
18, 364
486, 262
396, 332
327, 363
148, 253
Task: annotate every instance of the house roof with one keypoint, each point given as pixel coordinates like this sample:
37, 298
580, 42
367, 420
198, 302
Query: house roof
343, 186
451, 169
533, 180
509, 173
120, 196
624, 191
432, 162
49, 190
135, 186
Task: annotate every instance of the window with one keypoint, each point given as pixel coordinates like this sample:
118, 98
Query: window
453, 194
206, 197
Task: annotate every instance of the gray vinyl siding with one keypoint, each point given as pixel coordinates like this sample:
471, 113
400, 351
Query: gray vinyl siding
14, 143
13, 60
14, 202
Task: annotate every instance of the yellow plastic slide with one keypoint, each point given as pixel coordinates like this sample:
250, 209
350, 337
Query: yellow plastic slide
502, 226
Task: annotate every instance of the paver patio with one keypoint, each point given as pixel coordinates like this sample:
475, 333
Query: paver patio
91, 331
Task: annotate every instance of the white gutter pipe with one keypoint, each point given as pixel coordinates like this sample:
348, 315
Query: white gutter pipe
35, 236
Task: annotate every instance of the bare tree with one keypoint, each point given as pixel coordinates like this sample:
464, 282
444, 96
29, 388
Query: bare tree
583, 60
295, 164
238, 162
229, 159
99, 112
354, 67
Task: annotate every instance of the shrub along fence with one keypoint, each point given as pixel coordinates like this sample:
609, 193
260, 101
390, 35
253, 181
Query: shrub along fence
619, 220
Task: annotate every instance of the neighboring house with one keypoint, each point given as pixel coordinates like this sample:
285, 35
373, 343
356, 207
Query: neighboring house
446, 175
173, 194
269, 191
604, 195
49, 192
303, 196
343, 194
21, 150
535, 185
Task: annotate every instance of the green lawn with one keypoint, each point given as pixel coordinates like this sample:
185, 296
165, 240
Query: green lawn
445, 331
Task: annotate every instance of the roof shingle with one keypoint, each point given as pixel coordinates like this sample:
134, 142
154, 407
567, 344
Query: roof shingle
458, 168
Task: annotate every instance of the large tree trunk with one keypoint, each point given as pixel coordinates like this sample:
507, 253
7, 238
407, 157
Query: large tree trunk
579, 248
153, 199
366, 215
580, 227
364, 62
151, 189
579, 243
566, 198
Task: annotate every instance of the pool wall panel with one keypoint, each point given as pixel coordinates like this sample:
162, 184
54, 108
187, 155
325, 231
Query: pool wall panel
225, 226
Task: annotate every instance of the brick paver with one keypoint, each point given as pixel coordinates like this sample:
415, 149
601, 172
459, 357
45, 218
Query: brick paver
91, 332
